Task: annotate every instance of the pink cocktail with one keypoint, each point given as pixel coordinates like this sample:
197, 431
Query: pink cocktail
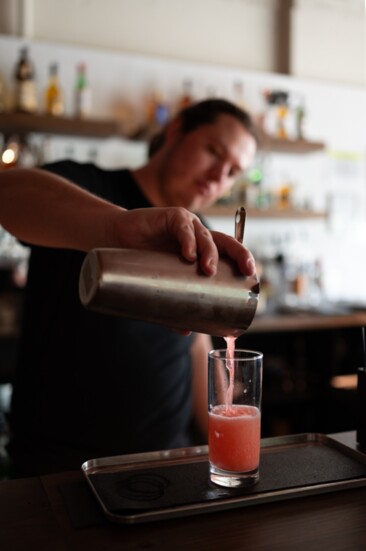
234, 437
234, 416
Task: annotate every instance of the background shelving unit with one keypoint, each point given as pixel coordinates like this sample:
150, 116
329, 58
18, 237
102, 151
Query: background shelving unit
267, 213
22, 123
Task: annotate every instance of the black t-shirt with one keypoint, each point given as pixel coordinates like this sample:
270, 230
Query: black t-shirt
88, 384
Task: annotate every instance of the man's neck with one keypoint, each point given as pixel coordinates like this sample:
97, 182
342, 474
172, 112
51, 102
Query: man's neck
148, 180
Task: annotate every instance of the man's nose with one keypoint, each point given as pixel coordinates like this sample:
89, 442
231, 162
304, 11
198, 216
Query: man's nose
219, 172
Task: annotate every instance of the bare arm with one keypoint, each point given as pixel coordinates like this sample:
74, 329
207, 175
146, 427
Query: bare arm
45, 209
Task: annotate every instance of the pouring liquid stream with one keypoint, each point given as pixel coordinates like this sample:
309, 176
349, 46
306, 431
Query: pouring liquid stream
240, 217
230, 350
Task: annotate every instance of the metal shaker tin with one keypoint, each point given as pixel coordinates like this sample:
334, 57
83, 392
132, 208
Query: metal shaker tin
163, 288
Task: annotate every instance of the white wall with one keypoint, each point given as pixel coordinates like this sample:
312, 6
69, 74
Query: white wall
212, 31
328, 38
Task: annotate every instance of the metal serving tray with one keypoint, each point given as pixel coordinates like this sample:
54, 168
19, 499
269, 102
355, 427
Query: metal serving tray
158, 485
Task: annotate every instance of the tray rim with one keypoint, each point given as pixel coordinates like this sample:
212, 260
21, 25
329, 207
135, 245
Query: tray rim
136, 461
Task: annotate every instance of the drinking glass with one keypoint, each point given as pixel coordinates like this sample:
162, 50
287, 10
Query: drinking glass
234, 416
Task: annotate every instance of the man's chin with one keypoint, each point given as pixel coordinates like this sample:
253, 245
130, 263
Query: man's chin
201, 205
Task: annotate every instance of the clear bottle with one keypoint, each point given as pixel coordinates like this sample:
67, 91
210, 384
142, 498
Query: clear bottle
82, 93
54, 98
25, 84
238, 94
300, 121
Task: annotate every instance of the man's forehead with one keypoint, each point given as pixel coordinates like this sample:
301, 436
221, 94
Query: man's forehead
231, 133
227, 126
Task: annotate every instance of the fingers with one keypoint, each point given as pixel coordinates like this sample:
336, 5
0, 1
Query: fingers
231, 247
195, 240
165, 228
208, 253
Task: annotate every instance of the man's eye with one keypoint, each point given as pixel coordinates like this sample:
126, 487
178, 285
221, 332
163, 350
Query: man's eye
234, 172
214, 151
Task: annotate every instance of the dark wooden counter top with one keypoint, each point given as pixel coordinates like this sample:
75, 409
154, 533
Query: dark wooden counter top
33, 515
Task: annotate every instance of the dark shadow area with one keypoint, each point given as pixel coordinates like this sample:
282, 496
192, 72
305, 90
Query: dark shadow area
298, 372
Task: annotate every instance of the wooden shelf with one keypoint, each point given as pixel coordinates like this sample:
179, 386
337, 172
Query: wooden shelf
266, 143
300, 147
295, 214
22, 124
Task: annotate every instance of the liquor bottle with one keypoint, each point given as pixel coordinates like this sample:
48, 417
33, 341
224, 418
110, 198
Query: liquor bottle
54, 100
281, 100
25, 85
150, 110
161, 111
82, 93
186, 98
157, 113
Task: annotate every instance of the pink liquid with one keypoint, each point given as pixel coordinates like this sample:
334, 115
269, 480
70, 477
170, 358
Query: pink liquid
234, 437
230, 342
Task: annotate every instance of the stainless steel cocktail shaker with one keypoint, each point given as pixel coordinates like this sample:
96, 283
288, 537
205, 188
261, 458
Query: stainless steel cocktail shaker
163, 288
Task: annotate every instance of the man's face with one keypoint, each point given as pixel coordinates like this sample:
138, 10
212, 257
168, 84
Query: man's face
201, 166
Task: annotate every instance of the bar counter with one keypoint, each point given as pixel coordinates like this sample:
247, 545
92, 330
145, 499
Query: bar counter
299, 321
33, 515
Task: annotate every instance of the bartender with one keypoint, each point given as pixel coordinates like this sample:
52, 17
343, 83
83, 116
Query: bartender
91, 385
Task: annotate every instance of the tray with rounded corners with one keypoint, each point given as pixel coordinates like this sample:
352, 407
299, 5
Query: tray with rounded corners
174, 483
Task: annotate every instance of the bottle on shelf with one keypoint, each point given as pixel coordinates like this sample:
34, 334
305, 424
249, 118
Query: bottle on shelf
157, 113
238, 95
282, 112
162, 113
54, 98
25, 84
82, 93
150, 108
186, 98
276, 116
300, 121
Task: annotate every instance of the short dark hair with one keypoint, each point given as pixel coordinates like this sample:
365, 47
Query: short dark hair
205, 112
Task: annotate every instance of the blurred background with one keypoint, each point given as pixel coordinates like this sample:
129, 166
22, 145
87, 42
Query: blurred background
102, 77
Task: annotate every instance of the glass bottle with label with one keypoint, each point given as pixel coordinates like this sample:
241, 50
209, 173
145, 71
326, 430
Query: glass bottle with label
82, 93
54, 100
25, 84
